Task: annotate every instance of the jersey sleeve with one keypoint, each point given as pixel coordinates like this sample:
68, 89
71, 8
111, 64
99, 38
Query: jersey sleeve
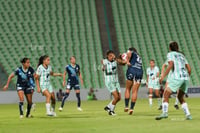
50, 68
186, 61
32, 70
169, 57
147, 71
38, 71
157, 69
166, 63
16, 72
104, 61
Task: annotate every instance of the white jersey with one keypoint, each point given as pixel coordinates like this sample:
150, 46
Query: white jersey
44, 74
110, 72
179, 70
152, 73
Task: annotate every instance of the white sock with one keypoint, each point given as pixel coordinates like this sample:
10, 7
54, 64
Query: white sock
53, 107
176, 101
48, 106
111, 106
150, 101
165, 107
185, 109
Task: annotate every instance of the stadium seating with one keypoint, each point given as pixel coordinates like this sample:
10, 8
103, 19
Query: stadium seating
151, 25
59, 28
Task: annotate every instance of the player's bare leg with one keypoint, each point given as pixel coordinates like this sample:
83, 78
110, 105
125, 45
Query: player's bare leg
129, 85
29, 100
53, 103
48, 99
157, 93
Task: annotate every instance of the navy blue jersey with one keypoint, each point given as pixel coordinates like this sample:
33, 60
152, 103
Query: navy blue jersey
73, 73
135, 61
25, 79
134, 71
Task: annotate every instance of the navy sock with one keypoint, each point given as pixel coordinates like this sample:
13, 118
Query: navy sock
78, 99
64, 98
28, 109
21, 108
132, 105
126, 102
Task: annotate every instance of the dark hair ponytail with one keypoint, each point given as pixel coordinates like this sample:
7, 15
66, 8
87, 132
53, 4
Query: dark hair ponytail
41, 59
23, 60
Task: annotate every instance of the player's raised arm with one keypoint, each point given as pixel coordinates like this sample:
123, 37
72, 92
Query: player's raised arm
120, 61
163, 69
8, 82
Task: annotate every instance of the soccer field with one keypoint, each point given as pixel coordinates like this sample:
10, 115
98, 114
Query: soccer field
94, 119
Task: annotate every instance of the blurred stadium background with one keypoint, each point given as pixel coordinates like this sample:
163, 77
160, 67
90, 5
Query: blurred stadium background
87, 28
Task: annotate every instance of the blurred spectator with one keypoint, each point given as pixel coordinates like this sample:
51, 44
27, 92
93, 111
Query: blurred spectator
60, 95
91, 95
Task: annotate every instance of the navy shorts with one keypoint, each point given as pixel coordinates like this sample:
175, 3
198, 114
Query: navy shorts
26, 90
74, 85
134, 75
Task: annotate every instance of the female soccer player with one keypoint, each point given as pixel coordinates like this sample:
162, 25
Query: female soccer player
74, 74
153, 83
111, 80
179, 80
134, 76
43, 74
25, 85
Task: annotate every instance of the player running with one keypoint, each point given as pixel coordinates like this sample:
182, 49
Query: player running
74, 74
111, 80
134, 76
178, 81
153, 83
25, 85
43, 73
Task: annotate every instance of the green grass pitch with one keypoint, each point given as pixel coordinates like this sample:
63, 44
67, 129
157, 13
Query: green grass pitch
94, 119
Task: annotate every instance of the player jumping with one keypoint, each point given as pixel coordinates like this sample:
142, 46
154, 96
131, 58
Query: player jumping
134, 76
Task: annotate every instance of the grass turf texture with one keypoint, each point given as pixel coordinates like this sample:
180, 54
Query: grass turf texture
95, 120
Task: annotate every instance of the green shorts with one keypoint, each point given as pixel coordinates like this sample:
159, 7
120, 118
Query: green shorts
175, 85
46, 87
155, 86
113, 86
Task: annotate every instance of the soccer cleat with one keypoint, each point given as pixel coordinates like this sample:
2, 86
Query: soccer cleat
49, 114
162, 116
29, 116
60, 109
176, 107
126, 109
112, 113
21, 116
189, 117
79, 109
130, 112
107, 109
160, 108
54, 114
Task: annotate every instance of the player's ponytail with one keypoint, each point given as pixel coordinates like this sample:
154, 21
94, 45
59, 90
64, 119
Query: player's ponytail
41, 59
23, 60
174, 46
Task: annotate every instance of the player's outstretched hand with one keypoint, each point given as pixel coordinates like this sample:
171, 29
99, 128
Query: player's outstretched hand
5, 88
